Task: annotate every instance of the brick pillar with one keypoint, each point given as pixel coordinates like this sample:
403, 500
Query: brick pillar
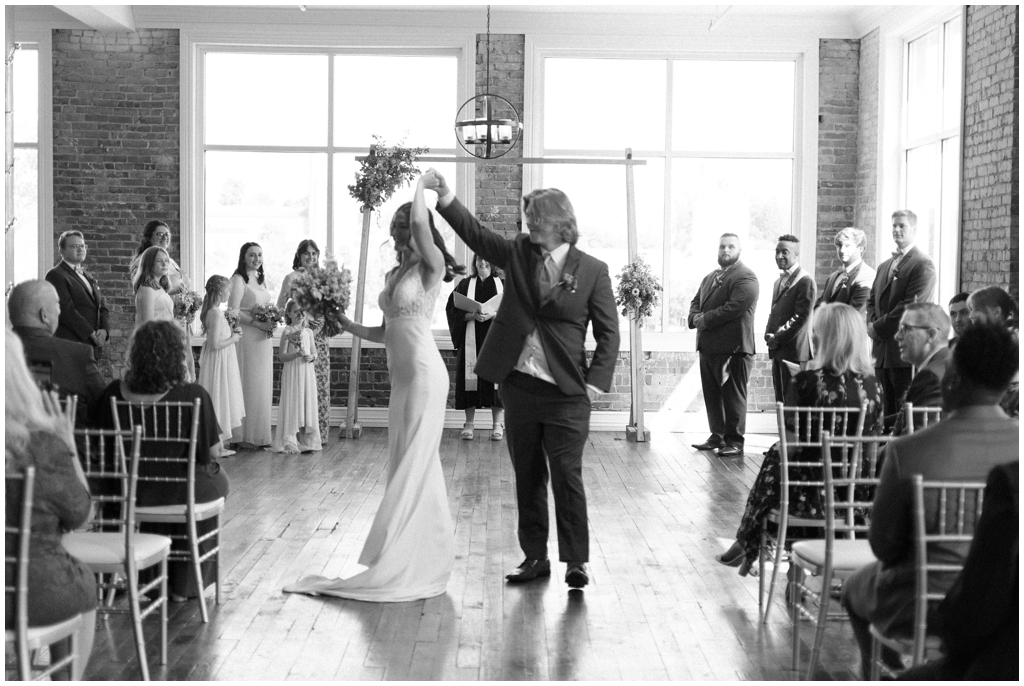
866, 203
838, 111
116, 132
990, 238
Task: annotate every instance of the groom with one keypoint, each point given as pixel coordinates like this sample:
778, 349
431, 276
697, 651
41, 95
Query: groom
535, 351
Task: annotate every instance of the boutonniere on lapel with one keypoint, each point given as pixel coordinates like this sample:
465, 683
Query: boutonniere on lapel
569, 282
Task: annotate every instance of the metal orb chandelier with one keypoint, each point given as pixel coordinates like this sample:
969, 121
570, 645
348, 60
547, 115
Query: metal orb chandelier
487, 125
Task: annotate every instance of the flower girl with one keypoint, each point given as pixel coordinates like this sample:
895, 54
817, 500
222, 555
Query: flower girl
298, 425
218, 362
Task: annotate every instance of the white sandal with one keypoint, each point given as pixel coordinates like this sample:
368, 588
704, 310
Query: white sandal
467, 432
498, 432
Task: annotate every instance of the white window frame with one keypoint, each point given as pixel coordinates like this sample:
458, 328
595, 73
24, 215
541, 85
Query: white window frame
805, 135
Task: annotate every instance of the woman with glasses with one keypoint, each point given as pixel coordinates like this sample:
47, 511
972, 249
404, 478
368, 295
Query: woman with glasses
159, 234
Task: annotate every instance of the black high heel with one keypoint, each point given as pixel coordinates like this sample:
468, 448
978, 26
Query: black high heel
732, 557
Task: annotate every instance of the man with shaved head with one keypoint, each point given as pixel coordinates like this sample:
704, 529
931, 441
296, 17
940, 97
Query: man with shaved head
34, 310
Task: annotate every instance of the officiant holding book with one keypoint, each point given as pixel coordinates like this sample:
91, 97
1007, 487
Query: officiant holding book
470, 309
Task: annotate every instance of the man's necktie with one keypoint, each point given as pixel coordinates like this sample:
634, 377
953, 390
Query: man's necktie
840, 282
896, 257
547, 274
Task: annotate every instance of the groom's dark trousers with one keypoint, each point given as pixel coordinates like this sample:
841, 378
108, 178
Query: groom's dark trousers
547, 423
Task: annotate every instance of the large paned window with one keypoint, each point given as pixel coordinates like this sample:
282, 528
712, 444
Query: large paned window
26, 164
281, 131
719, 140
931, 145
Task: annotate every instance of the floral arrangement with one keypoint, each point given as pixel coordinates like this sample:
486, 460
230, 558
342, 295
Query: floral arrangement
637, 292
383, 171
324, 292
293, 334
267, 312
234, 319
186, 304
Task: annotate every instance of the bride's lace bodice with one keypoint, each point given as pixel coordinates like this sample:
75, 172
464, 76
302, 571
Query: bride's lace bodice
408, 298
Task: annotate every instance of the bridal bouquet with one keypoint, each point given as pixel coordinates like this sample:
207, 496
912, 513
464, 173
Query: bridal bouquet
267, 312
323, 292
383, 171
637, 292
186, 304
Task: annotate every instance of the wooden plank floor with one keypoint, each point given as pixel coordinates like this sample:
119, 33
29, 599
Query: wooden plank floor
658, 605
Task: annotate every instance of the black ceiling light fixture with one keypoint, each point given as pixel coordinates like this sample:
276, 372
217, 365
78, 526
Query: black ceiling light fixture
487, 125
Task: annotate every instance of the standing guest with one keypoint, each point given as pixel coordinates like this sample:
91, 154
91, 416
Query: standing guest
306, 257
157, 373
34, 311
36, 434
218, 363
471, 391
974, 437
959, 316
152, 301
298, 427
255, 350
554, 292
908, 276
723, 314
159, 234
840, 375
993, 305
922, 337
851, 284
83, 312
788, 333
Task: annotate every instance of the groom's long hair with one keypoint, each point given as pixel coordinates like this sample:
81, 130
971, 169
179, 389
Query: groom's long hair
551, 206
401, 220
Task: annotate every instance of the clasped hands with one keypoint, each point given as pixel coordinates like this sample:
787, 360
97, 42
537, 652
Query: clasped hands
99, 337
432, 180
479, 316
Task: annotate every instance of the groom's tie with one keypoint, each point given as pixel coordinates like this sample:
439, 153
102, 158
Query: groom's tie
547, 275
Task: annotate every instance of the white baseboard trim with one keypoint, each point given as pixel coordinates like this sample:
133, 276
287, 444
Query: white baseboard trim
671, 422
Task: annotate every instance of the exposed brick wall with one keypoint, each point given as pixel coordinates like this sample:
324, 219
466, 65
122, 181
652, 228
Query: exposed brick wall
115, 153
990, 239
866, 202
838, 111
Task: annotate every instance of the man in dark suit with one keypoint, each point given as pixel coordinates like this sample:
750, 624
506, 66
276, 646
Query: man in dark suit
723, 314
534, 350
959, 316
922, 338
908, 276
83, 314
788, 333
975, 437
34, 310
851, 284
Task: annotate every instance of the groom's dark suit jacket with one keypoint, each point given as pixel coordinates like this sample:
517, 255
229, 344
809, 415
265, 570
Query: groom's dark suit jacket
561, 319
81, 312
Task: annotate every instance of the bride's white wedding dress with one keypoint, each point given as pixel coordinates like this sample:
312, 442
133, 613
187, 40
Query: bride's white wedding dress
410, 551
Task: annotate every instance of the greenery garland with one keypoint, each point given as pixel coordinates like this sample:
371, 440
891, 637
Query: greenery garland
637, 292
383, 171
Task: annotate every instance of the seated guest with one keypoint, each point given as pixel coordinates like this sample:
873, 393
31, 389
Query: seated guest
922, 337
156, 373
851, 284
37, 435
975, 436
959, 316
34, 310
840, 375
994, 305
979, 620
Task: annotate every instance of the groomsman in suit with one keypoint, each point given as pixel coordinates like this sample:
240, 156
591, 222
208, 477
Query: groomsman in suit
908, 276
34, 309
851, 284
534, 350
922, 338
788, 333
723, 314
959, 316
83, 314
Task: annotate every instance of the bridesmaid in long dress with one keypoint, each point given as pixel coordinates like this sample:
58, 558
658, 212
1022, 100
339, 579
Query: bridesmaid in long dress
255, 350
307, 255
152, 302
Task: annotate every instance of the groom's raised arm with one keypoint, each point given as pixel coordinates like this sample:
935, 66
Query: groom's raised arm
480, 240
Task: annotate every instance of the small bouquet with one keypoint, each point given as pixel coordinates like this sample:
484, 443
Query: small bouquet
324, 292
267, 312
637, 292
234, 319
186, 304
293, 334
383, 171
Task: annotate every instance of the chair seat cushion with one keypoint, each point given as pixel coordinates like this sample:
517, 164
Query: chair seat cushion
107, 549
203, 510
847, 556
39, 636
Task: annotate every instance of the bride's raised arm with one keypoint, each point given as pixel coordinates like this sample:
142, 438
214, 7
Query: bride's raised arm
423, 238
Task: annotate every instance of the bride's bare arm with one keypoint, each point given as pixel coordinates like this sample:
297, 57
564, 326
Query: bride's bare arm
423, 238
370, 333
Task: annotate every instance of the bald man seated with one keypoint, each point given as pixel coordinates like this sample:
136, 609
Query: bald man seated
34, 310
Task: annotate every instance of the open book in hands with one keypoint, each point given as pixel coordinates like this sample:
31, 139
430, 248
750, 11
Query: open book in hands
470, 305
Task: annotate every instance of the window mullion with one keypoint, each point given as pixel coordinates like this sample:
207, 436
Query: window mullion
329, 248
666, 209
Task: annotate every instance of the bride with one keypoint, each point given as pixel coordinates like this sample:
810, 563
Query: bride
410, 551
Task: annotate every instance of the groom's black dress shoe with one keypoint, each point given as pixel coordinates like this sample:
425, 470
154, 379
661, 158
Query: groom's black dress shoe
576, 575
529, 570
710, 444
